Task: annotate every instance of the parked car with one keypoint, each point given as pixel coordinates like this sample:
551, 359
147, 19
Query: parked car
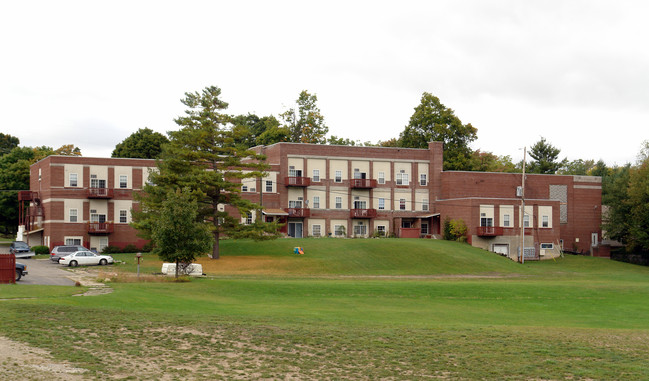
85, 257
21, 271
21, 250
63, 250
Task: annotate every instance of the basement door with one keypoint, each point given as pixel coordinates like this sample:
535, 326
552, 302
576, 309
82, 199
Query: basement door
295, 229
501, 248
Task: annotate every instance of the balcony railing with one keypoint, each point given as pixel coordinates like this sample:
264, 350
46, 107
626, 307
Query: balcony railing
490, 231
297, 181
100, 193
362, 213
100, 227
362, 183
298, 212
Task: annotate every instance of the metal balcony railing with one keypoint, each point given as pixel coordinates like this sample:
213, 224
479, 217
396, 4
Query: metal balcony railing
100, 227
490, 231
362, 213
100, 193
362, 183
298, 212
297, 181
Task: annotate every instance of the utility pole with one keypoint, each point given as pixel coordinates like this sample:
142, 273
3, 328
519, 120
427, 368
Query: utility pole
522, 253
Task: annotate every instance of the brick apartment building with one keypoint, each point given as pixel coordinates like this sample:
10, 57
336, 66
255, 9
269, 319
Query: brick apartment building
336, 191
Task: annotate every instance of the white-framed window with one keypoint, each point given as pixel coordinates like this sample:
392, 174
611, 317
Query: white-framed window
74, 180
339, 230
547, 246
244, 188
545, 221
381, 177
269, 186
424, 228
360, 230
403, 179
123, 181
526, 221
73, 215
316, 231
506, 220
316, 202
295, 204
339, 202
424, 204
316, 175
422, 180
248, 218
381, 203
339, 177
381, 230
73, 241
402, 204
123, 216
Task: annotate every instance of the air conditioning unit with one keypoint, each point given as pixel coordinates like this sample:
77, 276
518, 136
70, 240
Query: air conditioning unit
93, 176
300, 198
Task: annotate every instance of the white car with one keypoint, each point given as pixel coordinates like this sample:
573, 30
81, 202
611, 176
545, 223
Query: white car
85, 257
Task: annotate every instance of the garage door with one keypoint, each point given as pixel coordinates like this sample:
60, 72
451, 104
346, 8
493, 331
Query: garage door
501, 248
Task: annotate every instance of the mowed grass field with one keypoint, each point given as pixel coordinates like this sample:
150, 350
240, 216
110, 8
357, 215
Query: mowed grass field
349, 309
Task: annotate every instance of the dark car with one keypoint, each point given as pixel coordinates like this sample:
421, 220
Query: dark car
21, 271
21, 250
63, 250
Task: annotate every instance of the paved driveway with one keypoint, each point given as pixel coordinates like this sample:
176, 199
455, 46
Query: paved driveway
44, 271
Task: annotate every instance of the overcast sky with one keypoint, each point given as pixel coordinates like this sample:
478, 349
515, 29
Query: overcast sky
91, 73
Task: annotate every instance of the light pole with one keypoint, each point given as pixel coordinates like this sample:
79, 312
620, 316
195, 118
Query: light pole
522, 252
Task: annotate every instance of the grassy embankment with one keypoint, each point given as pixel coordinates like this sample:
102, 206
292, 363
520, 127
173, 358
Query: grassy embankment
371, 309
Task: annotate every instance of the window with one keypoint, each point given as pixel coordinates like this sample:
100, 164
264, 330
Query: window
123, 181
360, 230
316, 175
269, 186
73, 180
526, 221
316, 202
339, 176
381, 203
316, 231
72, 241
402, 204
123, 216
506, 222
422, 180
339, 230
73, 215
486, 221
292, 172
424, 228
381, 230
244, 188
402, 179
547, 246
424, 204
295, 204
339, 202
248, 218
546, 221
381, 177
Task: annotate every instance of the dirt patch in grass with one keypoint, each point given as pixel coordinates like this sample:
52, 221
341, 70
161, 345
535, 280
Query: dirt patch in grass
19, 361
247, 265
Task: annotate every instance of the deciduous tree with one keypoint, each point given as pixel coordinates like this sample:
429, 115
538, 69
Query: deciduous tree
432, 121
142, 144
305, 124
7, 143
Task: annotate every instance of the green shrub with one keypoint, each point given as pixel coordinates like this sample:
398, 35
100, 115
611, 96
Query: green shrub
130, 248
148, 247
455, 230
111, 250
41, 249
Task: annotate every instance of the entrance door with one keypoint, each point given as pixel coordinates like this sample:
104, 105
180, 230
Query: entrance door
295, 229
502, 249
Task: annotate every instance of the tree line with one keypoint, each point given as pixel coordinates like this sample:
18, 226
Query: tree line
209, 138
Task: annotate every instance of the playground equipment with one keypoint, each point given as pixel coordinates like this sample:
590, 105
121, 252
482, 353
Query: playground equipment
298, 250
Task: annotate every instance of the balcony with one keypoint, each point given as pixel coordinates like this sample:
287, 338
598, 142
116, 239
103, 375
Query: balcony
489, 231
297, 181
362, 183
362, 213
100, 227
99, 193
298, 212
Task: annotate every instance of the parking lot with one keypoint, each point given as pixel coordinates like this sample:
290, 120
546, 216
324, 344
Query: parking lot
42, 271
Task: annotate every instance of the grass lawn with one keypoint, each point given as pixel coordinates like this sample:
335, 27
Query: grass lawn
350, 309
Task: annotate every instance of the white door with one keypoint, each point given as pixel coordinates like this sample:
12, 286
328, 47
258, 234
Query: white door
502, 249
